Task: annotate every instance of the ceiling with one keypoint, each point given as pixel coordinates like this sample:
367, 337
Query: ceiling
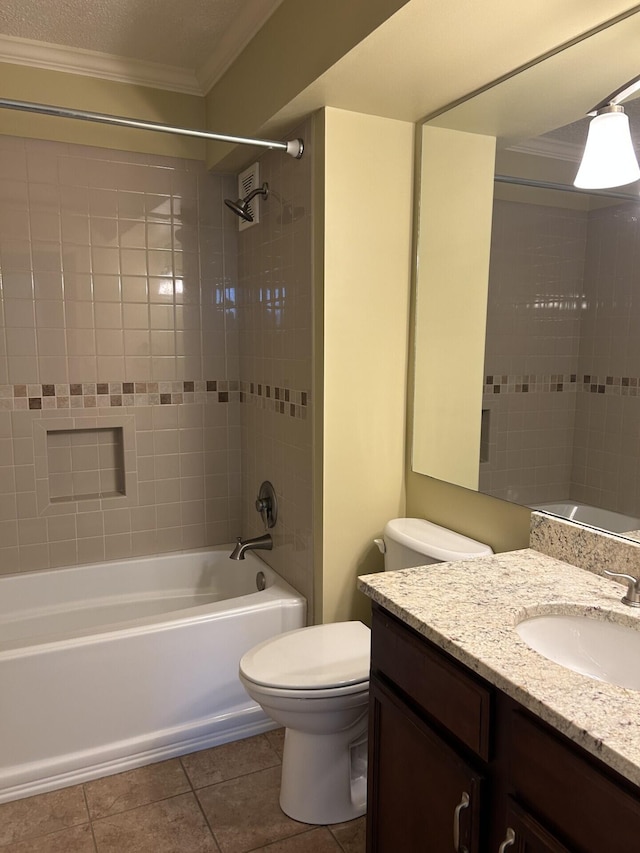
430, 53
184, 45
425, 55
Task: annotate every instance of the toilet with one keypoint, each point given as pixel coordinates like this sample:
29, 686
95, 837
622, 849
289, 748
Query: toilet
315, 682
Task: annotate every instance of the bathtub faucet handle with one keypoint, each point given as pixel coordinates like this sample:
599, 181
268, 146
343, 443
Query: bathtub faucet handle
262, 506
632, 598
267, 505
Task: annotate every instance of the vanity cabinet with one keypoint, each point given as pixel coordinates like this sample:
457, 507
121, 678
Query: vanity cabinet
523, 834
417, 810
454, 764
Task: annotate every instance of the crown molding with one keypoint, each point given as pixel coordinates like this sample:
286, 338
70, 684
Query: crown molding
106, 66
547, 147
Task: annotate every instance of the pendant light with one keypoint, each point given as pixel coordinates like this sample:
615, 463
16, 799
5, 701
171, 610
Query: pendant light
609, 159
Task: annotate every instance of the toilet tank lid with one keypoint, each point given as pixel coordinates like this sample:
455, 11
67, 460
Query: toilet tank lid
321, 656
430, 539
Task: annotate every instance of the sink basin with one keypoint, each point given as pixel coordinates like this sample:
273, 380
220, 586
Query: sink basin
607, 651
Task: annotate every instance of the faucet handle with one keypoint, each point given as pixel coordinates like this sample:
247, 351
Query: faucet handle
632, 598
267, 504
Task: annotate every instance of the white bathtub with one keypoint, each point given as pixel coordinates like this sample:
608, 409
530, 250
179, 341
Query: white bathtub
605, 519
111, 666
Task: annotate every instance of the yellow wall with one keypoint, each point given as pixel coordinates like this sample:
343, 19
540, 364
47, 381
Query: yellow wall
57, 88
502, 525
368, 175
295, 46
454, 235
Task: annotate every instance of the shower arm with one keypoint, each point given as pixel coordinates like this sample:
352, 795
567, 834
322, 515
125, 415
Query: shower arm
294, 148
263, 190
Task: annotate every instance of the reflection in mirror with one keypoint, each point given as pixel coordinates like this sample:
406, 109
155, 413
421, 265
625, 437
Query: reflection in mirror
557, 421
562, 359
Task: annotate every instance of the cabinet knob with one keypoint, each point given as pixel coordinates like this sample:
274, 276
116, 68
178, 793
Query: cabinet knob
509, 840
463, 804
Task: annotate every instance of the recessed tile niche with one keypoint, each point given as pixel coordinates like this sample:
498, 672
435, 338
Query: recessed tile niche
85, 464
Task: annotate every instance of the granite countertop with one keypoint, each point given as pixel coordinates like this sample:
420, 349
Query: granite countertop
470, 608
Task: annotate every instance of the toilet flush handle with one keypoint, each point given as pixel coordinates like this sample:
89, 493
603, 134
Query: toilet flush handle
381, 546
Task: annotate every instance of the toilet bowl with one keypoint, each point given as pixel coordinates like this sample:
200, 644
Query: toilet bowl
315, 682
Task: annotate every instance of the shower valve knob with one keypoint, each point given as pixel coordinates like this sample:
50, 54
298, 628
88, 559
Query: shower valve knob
267, 504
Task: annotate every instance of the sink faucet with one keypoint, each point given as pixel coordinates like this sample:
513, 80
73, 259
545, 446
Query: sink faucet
264, 543
632, 598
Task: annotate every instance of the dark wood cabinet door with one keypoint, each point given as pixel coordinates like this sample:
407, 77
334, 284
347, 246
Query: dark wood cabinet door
562, 785
418, 785
526, 835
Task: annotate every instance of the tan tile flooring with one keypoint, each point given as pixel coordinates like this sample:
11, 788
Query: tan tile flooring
219, 800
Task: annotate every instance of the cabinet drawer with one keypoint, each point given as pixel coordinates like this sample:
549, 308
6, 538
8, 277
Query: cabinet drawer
576, 799
444, 690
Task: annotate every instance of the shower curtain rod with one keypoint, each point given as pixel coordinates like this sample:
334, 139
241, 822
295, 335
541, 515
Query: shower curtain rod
294, 148
548, 185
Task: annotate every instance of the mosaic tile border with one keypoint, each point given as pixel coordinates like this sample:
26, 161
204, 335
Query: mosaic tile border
114, 395
274, 398
621, 386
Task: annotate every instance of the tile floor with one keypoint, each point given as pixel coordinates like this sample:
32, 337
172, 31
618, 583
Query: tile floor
220, 800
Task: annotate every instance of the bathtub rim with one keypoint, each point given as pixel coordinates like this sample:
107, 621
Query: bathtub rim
608, 527
138, 558
276, 595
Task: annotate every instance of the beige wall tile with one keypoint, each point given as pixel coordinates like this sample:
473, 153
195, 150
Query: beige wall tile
19, 312
9, 560
117, 546
34, 557
90, 525
91, 550
107, 310
64, 553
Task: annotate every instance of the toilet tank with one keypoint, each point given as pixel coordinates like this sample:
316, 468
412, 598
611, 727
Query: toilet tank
417, 542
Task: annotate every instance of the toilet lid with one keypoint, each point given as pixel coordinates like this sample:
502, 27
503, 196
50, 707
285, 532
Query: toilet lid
317, 657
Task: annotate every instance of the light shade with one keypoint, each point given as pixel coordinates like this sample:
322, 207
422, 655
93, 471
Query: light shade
609, 159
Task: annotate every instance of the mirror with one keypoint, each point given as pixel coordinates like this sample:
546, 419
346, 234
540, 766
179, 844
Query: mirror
542, 283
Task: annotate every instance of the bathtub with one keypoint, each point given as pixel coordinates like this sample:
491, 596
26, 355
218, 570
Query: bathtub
110, 666
605, 519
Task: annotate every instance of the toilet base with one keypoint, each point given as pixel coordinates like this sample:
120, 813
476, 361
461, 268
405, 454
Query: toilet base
324, 777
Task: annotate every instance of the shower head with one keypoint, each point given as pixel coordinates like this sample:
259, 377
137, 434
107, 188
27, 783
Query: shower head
241, 205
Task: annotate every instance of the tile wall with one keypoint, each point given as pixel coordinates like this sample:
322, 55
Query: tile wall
606, 465
133, 310
275, 346
562, 366
531, 357
117, 312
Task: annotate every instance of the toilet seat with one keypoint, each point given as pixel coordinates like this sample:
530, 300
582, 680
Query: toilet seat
313, 662
331, 693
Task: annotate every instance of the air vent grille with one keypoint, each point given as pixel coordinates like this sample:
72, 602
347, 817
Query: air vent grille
248, 181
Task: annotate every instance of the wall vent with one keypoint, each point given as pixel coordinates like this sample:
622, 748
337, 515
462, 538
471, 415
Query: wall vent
247, 181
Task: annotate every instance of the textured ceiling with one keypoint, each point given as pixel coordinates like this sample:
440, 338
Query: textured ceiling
576, 133
179, 33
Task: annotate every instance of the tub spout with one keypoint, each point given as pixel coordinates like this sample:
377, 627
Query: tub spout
264, 543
